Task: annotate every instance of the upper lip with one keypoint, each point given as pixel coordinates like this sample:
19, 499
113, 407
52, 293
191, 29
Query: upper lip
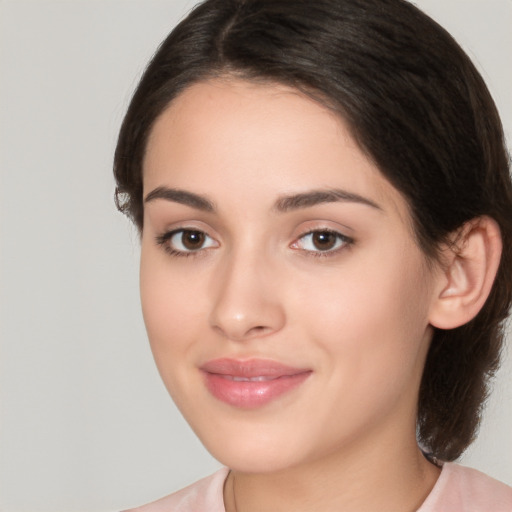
250, 368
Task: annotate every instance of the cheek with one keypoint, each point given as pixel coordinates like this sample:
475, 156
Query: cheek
371, 330
173, 316
170, 306
371, 315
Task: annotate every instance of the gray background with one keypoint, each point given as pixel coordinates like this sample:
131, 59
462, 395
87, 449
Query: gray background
85, 424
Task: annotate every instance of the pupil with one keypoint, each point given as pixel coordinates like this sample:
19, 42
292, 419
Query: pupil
193, 239
324, 240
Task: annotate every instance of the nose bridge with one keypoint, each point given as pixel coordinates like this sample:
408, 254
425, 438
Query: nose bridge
245, 301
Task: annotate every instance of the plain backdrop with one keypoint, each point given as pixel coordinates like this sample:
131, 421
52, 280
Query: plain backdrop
85, 423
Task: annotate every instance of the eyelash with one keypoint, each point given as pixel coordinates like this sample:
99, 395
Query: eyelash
163, 240
346, 242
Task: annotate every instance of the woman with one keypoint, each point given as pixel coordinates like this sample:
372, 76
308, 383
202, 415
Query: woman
325, 207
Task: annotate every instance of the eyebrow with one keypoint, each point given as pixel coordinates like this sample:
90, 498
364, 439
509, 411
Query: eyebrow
283, 204
315, 197
181, 196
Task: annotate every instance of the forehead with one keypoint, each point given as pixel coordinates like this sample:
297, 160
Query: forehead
266, 137
225, 111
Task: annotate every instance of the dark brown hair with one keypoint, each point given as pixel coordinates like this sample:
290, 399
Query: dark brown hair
417, 107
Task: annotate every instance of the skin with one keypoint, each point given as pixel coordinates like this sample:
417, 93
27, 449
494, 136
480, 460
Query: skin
357, 316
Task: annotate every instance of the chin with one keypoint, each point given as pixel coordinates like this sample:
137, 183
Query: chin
253, 448
257, 460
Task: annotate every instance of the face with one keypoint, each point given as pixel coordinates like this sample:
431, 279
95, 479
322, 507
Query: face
285, 298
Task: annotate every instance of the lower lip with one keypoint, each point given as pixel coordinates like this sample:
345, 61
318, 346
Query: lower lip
252, 394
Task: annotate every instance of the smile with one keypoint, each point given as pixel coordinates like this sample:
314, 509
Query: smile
251, 384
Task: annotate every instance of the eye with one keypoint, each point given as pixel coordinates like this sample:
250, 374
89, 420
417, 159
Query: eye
322, 241
183, 242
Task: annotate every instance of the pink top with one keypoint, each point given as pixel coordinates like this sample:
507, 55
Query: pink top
458, 489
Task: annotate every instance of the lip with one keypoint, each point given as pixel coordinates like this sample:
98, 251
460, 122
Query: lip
251, 383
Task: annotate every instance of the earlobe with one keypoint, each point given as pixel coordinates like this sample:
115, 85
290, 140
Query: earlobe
467, 274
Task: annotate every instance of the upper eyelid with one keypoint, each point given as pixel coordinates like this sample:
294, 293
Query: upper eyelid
321, 230
170, 232
165, 236
171, 229
325, 230
328, 229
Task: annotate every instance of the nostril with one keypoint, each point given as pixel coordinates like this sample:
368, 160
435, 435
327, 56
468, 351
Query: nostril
243, 334
257, 330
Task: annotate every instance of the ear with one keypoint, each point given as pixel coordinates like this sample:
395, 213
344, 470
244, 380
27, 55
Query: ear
467, 273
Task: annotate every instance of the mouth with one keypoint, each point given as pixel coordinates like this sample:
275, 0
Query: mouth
253, 383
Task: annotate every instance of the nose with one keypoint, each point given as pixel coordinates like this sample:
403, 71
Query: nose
246, 301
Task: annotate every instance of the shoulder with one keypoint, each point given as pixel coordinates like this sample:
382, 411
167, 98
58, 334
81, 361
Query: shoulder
204, 495
465, 489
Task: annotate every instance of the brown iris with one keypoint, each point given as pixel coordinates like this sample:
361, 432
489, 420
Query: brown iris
192, 240
324, 240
